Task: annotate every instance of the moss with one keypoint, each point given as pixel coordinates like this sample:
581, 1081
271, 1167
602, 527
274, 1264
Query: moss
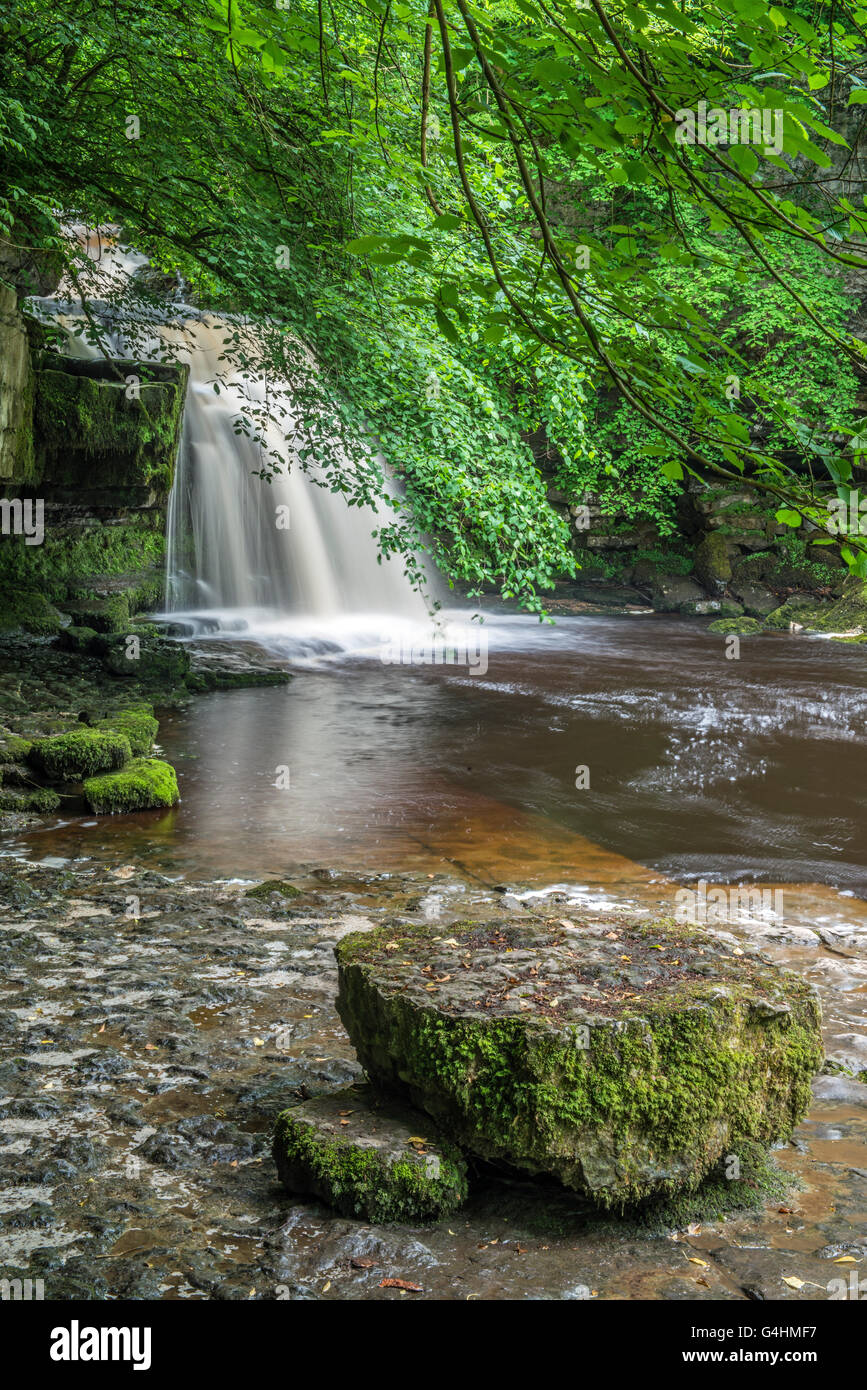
743, 626
83, 559
77, 639
143, 785
201, 681
80, 753
13, 748
41, 800
367, 1182
712, 567
21, 610
273, 885
152, 660
92, 433
668, 1084
137, 724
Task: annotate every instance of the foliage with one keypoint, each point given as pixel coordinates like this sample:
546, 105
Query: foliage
479, 223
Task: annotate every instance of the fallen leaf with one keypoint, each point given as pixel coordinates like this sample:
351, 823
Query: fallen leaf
258, 1042
845, 1260
326, 1287
703, 1282
400, 1284
793, 1283
362, 1262
694, 1261
101, 1030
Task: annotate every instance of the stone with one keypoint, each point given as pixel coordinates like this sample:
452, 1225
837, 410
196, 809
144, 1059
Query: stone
669, 592
712, 565
80, 753
143, 785
369, 1157
627, 1061
757, 600
24, 611
717, 607
77, 639
153, 660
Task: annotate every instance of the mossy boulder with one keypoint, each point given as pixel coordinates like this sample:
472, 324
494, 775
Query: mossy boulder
101, 614
743, 626
80, 753
273, 886
32, 800
150, 659
137, 724
712, 564
77, 639
369, 1157
22, 610
144, 785
625, 1061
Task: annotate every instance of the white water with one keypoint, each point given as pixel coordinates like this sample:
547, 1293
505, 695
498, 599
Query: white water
287, 563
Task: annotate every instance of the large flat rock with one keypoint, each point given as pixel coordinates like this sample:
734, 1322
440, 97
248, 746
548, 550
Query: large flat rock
628, 1061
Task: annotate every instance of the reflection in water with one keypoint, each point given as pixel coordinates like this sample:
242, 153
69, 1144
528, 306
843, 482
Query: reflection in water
699, 767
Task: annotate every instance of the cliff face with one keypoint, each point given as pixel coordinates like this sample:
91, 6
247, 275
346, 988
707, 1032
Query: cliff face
89, 447
16, 392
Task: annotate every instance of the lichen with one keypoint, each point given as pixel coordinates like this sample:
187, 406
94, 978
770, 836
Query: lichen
143, 785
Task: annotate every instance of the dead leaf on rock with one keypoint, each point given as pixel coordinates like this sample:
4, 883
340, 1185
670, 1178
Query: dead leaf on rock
400, 1284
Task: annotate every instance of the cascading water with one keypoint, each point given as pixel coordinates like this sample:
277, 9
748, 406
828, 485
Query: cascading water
284, 562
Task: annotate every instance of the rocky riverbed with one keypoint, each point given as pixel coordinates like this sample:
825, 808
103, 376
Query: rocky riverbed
153, 1028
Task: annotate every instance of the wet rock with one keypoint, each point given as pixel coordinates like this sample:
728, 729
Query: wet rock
626, 1061
369, 1158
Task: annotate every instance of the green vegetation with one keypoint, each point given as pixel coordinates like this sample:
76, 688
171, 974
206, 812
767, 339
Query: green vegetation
142, 785
481, 223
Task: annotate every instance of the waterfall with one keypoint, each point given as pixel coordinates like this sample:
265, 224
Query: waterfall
286, 562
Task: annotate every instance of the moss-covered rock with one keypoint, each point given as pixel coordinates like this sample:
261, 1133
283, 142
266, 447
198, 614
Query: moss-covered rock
32, 800
143, 785
137, 724
80, 753
625, 1061
77, 639
272, 886
25, 611
712, 565
101, 614
369, 1157
743, 626
150, 659
107, 431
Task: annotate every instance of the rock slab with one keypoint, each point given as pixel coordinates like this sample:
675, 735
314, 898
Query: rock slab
627, 1061
369, 1157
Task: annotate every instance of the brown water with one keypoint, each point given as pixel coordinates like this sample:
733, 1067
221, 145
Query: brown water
699, 766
